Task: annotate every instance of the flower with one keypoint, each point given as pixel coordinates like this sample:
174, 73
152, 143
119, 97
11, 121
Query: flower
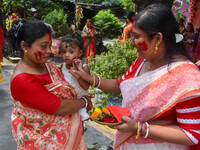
97, 110
105, 110
95, 114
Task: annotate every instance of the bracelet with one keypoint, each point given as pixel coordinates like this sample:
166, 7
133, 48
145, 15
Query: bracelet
142, 124
85, 101
138, 130
147, 130
99, 82
93, 85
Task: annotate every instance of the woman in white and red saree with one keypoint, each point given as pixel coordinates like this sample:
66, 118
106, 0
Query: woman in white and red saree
45, 113
88, 34
161, 88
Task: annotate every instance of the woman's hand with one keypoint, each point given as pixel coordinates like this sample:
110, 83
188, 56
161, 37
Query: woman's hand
128, 125
78, 71
89, 102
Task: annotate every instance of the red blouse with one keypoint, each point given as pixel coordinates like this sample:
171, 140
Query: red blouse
29, 89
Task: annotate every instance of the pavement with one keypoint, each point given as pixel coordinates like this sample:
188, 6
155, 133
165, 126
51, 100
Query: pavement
97, 137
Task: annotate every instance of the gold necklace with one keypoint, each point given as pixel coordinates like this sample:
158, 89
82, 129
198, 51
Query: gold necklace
24, 65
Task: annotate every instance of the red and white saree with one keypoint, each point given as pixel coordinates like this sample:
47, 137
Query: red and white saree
36, 130
154, 93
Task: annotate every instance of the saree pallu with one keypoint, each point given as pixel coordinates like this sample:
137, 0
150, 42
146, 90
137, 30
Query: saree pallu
36, 130
153, 93
89, 43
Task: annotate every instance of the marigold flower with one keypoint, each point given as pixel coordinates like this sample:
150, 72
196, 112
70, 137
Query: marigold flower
95, 114
105, 110
97, 110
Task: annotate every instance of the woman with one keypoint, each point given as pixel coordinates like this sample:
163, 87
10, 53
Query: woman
88, 35
128, 29
197, 51
161, 88
45, 113
189, 41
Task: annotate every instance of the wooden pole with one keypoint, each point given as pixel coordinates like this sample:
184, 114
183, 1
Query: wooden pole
76, 2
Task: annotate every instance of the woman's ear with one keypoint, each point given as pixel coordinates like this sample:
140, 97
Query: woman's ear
159, 38
23, 45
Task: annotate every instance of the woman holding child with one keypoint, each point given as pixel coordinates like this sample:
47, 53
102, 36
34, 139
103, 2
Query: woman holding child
45, 113
161, 88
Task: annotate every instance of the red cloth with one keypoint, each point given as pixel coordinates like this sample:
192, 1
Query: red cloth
186, 113
89, 43
118, 112
24, 85
1, 44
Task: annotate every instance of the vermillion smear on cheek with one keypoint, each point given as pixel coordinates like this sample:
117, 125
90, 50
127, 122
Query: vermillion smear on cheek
49, 35
38, 54
143, 45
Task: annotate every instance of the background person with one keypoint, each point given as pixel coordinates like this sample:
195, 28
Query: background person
128, 29
189, 41
88, 35
37, 16
45, 113
182, 28
161, 88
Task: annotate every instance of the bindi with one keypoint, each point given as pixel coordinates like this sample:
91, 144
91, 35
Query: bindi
143, 45
38, 54
49, 35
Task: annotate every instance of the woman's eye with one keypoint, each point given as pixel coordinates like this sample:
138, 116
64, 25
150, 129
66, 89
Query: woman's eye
43, 46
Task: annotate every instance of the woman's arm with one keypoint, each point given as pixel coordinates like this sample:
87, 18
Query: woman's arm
172, 134
108, 85
68, 107
30, 91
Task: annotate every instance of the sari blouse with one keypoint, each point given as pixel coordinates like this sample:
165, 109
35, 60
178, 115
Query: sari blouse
162, 94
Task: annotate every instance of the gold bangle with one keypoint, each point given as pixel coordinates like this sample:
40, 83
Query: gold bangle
93, 85
138, 130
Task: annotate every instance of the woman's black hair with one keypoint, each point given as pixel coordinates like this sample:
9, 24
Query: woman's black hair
159, 18
27, 31
130, 16
75, 39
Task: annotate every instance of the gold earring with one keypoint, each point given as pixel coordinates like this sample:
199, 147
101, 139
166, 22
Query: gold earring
156, 49
25, 52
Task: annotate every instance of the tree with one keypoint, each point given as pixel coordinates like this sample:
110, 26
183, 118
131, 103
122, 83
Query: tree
140, 4
42, 6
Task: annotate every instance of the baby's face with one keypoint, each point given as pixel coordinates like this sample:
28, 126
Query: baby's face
70, 52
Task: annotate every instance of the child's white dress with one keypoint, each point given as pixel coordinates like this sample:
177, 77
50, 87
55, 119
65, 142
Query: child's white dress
79, 90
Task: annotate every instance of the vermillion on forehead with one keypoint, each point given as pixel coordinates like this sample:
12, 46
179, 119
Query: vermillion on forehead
49, 36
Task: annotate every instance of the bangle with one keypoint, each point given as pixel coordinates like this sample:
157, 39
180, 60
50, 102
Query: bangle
142, 124
138, 130
99, 82
147, 130
93, 85
85, 101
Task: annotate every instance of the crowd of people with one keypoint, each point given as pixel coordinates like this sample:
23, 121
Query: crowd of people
191, 39
161, 88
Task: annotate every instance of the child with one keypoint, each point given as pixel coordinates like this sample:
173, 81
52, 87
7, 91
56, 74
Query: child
71, 48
